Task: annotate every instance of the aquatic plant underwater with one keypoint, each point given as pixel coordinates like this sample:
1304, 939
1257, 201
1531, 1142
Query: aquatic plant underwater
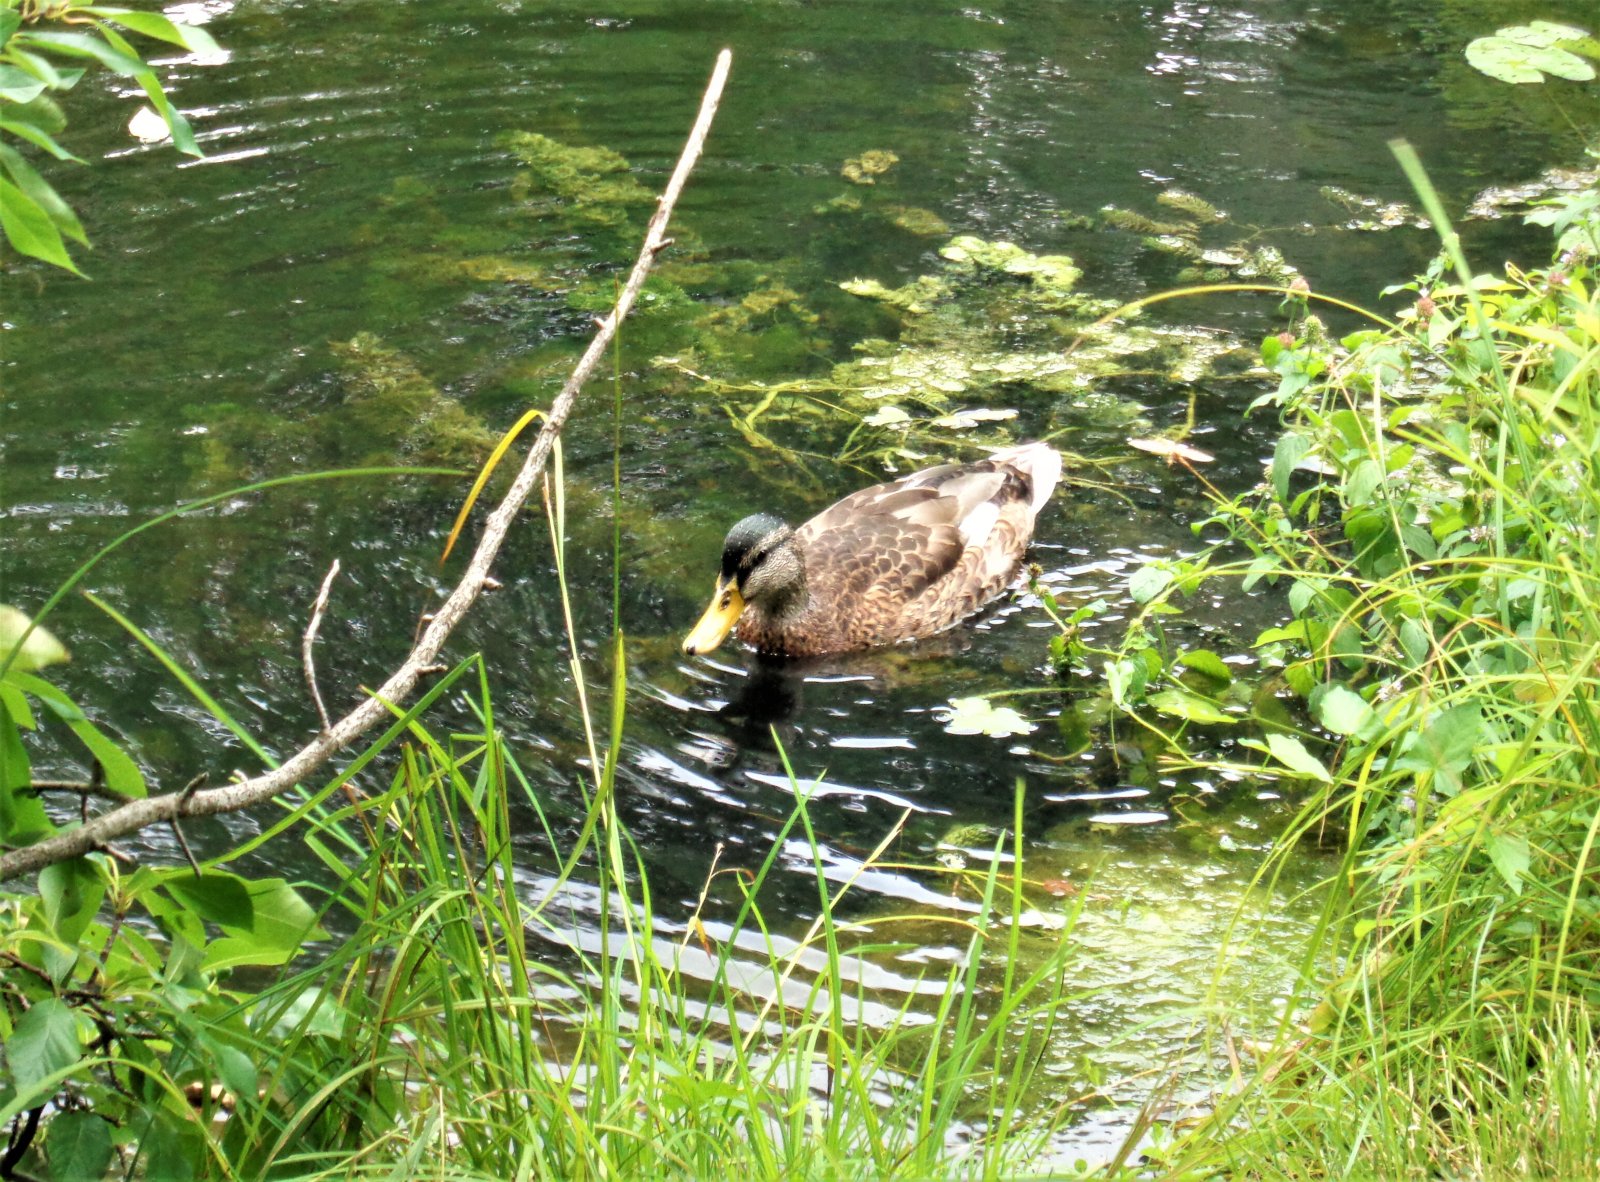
1429, 514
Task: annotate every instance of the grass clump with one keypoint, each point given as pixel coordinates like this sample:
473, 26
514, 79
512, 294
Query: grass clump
1432, 513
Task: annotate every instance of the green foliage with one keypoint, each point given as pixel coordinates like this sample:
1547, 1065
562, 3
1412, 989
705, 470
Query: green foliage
37, 40
1428, 516
1526, 53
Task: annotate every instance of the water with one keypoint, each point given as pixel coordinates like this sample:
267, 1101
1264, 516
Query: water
355, 163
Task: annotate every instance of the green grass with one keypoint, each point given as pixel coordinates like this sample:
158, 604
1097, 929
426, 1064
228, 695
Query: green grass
1442, 564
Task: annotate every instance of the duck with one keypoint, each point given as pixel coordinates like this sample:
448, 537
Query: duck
895, 562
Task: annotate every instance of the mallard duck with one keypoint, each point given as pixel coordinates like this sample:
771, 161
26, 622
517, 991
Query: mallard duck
893, 562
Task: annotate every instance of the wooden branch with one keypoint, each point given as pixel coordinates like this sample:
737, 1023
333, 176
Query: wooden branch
137, 814
309, 642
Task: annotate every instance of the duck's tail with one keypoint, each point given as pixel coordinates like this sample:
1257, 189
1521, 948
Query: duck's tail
1039, 462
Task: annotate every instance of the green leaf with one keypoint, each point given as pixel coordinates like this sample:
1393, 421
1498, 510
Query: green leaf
36, 187
1512, 61
152, 24
1147, 582
30, 229
1286, 457
170, 1149
1342, 710
1511, 858
1190, 707
45, 71
19, 86
1205, 661
38, 650
182, 134
1447, 743
237, 1069
86, 45
216, 896
79, 1146
39, 139
980, 716
121, 772
22, 817
1414, 639
283, 922
71, 892
44, 1042
1292, 753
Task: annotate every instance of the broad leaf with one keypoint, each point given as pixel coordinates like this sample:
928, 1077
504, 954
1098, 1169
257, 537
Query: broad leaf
30, 229
1518, 62
1189, 707
1292, 753
980, 716
79, 1145
216, 896
44, 1042
1342, 710
40, 648
282, 923
1510, 857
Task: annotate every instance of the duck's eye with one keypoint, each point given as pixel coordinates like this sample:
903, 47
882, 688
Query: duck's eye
727, 598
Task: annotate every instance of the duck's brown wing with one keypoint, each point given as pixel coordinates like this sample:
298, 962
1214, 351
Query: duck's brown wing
913, 556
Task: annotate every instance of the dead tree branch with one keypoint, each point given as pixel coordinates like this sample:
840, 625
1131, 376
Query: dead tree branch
137, 814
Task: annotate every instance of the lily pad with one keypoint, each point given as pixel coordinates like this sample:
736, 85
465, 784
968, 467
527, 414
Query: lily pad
980, 716
1511, 58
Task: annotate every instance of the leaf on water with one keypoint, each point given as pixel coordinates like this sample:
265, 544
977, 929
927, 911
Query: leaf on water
40, 649
980, 716
1172, 450
963, 420
1511, 59
148, 127
886, 416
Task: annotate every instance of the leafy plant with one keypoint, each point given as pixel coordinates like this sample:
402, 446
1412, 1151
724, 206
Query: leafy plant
37, 39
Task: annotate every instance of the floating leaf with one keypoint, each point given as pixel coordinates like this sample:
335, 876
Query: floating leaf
1516, 61
148, 127
1172, 451
980, 716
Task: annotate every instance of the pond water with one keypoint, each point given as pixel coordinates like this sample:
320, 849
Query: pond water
359, 230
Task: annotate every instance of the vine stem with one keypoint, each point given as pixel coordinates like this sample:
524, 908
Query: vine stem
137, 814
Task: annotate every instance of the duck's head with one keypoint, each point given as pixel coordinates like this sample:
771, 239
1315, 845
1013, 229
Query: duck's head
760, 566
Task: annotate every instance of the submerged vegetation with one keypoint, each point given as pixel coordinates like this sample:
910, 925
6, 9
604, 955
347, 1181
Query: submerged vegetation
447, 993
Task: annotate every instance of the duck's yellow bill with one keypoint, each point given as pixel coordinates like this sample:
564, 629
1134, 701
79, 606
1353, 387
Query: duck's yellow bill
727, 605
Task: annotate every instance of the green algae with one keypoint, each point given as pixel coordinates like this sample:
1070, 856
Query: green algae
398, 413
866, 168
575, 185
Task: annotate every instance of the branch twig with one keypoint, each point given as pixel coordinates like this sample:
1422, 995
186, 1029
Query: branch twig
135, 815
309, 641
